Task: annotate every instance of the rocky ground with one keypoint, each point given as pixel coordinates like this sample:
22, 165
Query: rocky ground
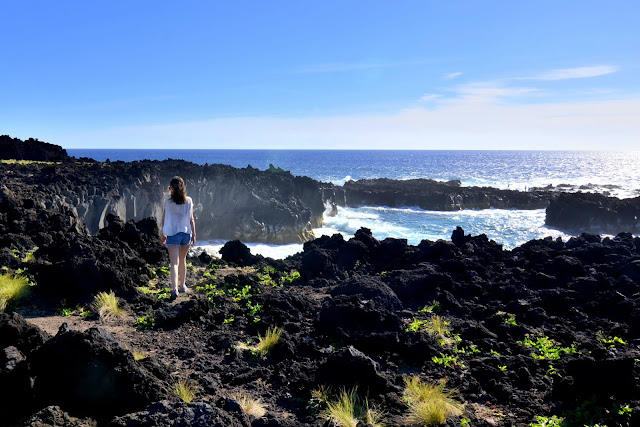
549, 328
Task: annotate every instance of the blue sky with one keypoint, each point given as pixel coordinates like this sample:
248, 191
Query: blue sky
322, 74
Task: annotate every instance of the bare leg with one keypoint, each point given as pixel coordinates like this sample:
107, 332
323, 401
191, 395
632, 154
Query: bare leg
174, 258
182, 267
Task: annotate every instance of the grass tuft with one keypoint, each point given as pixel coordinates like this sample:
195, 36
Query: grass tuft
186, 390
106, 305
342, 412
249, 405
429, 404
270, 339
12, 288
347, 410
139, 354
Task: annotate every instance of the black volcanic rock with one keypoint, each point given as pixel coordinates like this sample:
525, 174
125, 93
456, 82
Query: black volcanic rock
594, 213
435, 195
229, 203
31, 149
198, 414
99, 377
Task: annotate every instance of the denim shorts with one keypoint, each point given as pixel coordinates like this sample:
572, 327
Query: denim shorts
179, 239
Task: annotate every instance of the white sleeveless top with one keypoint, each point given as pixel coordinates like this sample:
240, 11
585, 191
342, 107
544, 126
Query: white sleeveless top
177, 218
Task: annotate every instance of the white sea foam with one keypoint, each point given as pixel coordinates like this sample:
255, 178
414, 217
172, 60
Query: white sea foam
271, 251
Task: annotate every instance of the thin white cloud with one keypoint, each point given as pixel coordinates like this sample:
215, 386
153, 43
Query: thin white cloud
491, 91
335, 67
575, 73
452, 76
462, 123
428, 97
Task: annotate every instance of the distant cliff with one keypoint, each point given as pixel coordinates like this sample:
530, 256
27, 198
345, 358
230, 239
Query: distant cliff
31, 149
229, 203
432, 195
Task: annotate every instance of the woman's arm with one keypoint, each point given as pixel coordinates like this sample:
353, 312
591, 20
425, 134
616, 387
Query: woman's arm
193, 227
164, 238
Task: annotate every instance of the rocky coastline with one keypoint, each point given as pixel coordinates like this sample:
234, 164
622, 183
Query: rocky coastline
549, 329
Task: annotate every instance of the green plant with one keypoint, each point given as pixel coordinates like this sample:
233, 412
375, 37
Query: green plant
553, 421
185, 389
435, 307
495, 353
415, 325
546, 348
229, 320
29, 257
253, 308
106, 305
13, 287
609, 342
270, 339
502, 368
147, 321
429, 404
447, 360
465, 422
237, 294
65, 311
249, 405
163, 271
551, 370
289, 278
509, 319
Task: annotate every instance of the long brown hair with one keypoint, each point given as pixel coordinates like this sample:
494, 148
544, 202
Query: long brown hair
178, 190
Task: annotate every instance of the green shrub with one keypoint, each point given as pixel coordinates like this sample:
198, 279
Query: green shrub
147, 321
553, 421
546, 348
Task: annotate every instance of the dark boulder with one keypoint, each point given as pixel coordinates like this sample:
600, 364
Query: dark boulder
100, 378
370, 288
166, 413
16, 331
349, 367
237, 253
53, 416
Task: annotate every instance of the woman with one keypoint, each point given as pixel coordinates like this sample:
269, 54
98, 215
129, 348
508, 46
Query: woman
178, 232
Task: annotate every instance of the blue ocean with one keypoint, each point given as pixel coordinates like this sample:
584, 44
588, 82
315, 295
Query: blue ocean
612, 173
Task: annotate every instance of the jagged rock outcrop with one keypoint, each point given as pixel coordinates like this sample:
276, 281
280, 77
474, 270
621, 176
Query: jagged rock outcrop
31, 149
594, 213
229, 203
435, 195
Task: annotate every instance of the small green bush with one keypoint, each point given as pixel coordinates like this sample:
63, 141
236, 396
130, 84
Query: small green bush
145, 322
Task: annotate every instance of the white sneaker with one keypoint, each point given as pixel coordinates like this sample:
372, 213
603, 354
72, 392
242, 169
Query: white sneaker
184, 290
